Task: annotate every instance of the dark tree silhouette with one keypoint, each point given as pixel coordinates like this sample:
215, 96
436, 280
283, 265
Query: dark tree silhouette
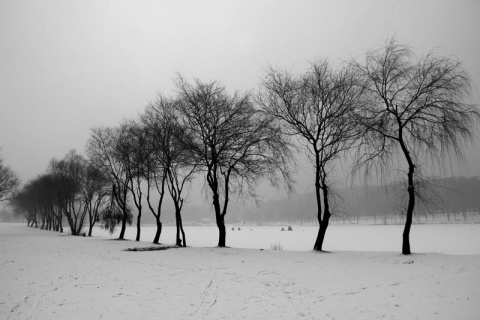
24, 202
317, 107
418, 109
155, 172
69, 173
235, 145
130, 150
45, 197
176, 163
102, 152
95, 192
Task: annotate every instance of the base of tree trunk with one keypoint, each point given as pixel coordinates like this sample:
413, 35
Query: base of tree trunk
406, 245
158, 233
322, 230
222, 236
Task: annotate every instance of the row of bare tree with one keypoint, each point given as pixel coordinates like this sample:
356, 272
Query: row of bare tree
202, 130
72, 187
390, 110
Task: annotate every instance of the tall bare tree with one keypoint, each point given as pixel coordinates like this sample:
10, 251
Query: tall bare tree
318, 108
102, 152
155, 172
174, 164
418, 110
235, 144
130, 150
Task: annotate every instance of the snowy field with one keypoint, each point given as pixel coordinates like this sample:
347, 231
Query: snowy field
46, 275
438, 238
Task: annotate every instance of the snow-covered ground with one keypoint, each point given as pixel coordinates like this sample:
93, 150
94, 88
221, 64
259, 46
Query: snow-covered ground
46, 275
438, 238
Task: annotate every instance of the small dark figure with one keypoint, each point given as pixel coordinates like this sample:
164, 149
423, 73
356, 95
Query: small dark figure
290, 228
233, 229
282, 229
239, 229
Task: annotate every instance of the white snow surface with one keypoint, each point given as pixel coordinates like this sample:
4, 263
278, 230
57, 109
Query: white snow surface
47, 275
438, 238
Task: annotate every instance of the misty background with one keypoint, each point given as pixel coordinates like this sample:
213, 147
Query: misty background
67, 66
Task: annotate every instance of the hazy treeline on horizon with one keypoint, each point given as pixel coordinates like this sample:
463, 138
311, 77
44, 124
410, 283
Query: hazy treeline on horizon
448, 195
455, 195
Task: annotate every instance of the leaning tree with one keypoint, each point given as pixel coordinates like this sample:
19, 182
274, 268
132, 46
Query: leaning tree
235, 145
418, 110
318, 108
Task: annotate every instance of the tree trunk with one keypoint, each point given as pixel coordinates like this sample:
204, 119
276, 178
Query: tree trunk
70, 223
409, 217
221, 231
325, 221
181, 241
91, 221
139, 216
411, 197
178, 240
60, 222
159, 230
183, 234
43, 223
320, 236
124, 226
220, 220
321, 232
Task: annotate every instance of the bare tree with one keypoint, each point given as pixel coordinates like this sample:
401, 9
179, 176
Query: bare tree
95, 192
418, 109
130, 150
154, 173
174, 164
235, 144
318, 108
69, 173
102, 151
45, 200
9, 181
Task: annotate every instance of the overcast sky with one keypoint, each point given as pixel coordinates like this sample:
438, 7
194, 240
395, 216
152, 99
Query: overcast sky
66, 66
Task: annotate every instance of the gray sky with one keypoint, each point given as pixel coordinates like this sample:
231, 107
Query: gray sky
66, 66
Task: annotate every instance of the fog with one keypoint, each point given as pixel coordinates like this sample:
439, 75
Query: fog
67, 66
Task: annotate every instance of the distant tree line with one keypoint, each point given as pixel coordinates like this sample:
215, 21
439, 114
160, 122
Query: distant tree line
392, 109
449, 197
